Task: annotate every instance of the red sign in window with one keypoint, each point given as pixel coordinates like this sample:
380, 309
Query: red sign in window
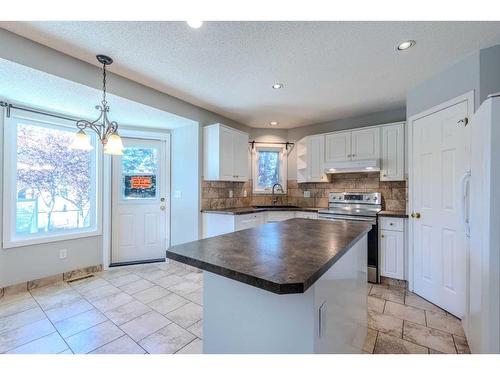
141, 182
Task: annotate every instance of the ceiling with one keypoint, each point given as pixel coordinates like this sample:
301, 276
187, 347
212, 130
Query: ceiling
331, 70
30, 87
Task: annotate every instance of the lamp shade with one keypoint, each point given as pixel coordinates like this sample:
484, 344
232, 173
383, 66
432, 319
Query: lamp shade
81, 141
114, 145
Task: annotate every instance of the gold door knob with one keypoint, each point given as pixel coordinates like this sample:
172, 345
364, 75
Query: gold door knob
415, 215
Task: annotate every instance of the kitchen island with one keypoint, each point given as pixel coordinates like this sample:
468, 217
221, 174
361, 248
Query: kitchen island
297, 286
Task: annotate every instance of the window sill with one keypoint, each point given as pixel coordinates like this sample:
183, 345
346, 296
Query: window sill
50, 238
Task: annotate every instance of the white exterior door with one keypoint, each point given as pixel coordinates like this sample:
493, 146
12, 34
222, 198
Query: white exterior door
439, 162
139, 201
366, 144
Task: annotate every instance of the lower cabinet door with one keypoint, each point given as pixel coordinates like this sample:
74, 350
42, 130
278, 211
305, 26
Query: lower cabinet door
392, 254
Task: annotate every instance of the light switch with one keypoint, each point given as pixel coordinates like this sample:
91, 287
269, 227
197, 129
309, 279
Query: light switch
63, 253
230, 193
178, 194
307, 194
245, 194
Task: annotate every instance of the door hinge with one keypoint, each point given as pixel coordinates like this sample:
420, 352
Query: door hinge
464, 121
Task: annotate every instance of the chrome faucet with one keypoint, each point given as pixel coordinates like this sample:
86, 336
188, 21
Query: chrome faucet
275, 199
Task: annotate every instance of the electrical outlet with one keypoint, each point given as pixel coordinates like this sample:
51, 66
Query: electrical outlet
245, 194
63, 253
307, 194
230, 193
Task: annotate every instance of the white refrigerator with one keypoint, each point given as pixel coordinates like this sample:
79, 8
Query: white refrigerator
481, 213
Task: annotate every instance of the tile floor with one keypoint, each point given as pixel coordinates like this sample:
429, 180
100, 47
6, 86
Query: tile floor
400, 322
157, 308
151, 308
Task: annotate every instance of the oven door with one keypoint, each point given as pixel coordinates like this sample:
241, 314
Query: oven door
373, 270
334, 217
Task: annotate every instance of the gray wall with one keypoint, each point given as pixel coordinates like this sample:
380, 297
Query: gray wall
185, 209
456, 80
489, 67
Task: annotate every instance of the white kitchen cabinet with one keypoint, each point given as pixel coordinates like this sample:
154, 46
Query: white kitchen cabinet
216, 224
338, 147
225, 154
306, 215
365, 144
310, 156
393, 158
361, 144
392, 247
275, 216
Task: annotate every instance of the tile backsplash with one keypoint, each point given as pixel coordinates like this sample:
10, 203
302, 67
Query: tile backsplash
216, 194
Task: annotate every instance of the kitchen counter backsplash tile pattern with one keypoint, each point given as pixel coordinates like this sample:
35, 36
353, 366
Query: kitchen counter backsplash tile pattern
216, 194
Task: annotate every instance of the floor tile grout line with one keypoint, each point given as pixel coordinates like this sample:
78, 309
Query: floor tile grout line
177, 351
50, 321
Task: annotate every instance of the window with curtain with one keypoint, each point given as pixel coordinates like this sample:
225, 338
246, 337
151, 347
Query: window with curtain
50, 190
269, 168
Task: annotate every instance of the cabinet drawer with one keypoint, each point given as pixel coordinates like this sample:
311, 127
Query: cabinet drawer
248, 221
273, 216
391, 223
306, 215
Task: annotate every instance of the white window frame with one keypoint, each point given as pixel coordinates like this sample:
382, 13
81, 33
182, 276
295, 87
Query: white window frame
283, 167
10, 238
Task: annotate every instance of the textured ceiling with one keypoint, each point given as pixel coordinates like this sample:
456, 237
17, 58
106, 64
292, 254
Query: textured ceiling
330, 70
30, 87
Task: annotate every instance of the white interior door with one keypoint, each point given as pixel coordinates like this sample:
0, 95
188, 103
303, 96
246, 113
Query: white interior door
440, 159
139, 201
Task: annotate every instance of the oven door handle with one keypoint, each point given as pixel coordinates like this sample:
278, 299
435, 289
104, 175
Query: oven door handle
344, 218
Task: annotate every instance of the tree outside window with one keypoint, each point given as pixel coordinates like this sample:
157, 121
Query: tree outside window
53, 182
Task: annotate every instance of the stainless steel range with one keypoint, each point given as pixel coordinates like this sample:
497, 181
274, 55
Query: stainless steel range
358, 207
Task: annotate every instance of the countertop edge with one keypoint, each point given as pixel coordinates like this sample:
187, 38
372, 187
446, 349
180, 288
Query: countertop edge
250, 210
401, 214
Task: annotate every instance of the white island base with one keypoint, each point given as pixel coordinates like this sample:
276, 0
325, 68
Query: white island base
330, 317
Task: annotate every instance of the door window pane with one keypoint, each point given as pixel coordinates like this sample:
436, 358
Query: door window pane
54, 185
139, 169
268, 169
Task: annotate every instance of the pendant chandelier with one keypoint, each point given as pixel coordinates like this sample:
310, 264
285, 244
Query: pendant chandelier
106, 130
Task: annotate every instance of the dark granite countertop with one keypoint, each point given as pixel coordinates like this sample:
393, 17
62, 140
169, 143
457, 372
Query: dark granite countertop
252, 210
284, 258
401, 214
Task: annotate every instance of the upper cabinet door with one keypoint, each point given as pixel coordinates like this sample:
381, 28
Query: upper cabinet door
226, 154
315, 157
366, 144
240, 156
392, 168
338, 147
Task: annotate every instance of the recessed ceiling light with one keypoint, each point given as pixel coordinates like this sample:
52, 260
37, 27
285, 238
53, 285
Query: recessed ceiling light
274, 123
195, 24
405, 45
278, 86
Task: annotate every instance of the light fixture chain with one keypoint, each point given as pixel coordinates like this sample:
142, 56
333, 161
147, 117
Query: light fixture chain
104, 83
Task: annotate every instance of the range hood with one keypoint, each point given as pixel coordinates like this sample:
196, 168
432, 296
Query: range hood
369, 165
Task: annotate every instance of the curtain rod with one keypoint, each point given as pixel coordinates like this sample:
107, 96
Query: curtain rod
10, 106
272, 143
